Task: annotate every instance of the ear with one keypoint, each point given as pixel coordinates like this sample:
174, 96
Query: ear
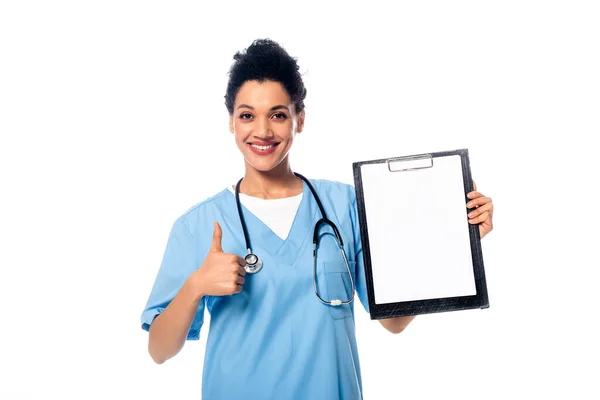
231, 123
300, 122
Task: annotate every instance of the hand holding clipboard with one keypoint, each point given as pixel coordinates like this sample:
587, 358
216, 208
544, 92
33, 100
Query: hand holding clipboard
483, 212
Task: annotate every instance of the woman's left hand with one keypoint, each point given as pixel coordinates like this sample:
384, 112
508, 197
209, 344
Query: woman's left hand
482, 213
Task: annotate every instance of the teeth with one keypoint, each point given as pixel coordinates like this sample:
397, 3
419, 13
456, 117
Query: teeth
261, 147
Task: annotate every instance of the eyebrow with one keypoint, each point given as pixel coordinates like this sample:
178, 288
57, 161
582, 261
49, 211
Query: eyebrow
279, 107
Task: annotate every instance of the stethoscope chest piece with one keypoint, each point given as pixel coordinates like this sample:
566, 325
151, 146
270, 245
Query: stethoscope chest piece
253, 263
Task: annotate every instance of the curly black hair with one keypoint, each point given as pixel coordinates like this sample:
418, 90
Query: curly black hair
265, 60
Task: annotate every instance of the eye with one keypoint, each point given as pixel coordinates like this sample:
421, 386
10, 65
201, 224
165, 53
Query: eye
280, 116
245, 116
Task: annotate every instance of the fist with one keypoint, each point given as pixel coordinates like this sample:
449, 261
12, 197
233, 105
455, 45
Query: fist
221, 273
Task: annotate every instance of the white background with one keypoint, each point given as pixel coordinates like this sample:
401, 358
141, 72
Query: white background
112, 124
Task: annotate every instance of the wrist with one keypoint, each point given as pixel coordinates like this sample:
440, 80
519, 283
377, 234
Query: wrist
194, 287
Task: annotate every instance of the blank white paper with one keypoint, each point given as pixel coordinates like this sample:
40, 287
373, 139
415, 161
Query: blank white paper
418, 231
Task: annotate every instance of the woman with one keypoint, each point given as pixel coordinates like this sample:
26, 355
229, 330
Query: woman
270, 336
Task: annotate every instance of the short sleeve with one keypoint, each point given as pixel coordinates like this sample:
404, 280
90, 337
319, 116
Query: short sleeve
361, 282
179, 261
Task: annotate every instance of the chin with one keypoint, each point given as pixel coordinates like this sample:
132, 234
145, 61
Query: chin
262, 165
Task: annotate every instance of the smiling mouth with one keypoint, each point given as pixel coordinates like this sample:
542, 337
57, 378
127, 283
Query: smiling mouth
263, 147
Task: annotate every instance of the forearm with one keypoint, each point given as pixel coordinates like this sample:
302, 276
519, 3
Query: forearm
168, 332
396, 325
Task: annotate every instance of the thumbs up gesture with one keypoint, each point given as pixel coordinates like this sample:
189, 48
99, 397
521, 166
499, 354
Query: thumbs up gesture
221, 273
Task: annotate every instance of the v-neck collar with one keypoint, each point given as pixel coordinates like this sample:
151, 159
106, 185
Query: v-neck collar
264, 239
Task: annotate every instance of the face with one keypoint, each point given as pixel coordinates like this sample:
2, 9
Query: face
264, 123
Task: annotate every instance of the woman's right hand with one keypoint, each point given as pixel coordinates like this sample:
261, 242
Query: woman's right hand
221, 273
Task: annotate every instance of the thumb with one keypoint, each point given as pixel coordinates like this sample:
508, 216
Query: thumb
216, 242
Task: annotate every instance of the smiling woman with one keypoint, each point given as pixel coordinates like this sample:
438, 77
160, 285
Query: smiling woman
282, 318
265, 99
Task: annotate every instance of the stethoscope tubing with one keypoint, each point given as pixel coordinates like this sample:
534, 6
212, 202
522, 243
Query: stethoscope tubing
255, 267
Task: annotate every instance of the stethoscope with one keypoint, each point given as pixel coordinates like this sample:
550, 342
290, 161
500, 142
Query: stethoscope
255, 264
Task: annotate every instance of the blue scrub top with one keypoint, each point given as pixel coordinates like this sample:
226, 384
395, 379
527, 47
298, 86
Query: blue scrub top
275, 339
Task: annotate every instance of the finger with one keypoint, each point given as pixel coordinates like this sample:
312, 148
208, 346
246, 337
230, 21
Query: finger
238, 289
474, 195
217, 236
474, 184
479, 201
481, 218
234, 261
480, 210
241, 271
238, 264
240, 280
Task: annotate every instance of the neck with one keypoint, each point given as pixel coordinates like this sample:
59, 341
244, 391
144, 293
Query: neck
278, 183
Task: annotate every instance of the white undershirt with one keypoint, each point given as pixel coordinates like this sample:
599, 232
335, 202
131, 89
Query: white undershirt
277, 214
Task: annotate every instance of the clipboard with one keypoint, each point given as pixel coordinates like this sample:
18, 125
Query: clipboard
420, 253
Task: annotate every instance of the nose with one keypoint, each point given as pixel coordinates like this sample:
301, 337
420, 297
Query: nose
264, 128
